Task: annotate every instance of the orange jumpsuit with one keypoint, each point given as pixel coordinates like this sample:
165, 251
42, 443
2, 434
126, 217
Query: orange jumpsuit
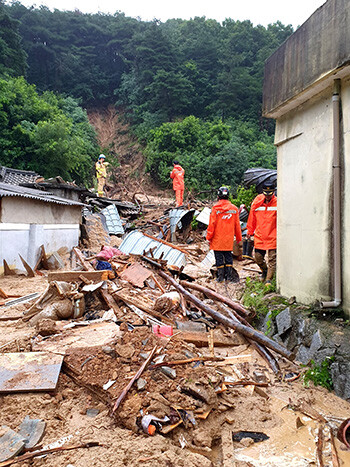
178, 174
223, 226
262, 223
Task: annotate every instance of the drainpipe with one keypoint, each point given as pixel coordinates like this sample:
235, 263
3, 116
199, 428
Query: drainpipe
337, 279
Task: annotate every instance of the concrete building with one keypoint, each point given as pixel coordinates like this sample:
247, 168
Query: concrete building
307, 91
30, 218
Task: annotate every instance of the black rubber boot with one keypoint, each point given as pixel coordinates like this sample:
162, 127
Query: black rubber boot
231, 275
263, 274
220, 275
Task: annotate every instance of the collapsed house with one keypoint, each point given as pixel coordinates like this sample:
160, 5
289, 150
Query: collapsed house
30, 218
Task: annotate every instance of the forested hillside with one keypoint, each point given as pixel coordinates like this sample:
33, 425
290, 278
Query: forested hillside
192, 89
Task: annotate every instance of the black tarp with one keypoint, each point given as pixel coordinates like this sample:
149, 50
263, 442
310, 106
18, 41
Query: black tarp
258, 177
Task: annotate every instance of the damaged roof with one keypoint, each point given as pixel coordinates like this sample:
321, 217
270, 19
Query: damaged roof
137, 244
16, 177
7, 189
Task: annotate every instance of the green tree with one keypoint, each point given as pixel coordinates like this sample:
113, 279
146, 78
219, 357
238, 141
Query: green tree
12, 56
37, 133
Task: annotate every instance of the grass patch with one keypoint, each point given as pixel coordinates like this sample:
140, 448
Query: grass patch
319, 374
253, 296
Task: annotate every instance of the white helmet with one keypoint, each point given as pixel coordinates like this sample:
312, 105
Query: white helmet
102, 156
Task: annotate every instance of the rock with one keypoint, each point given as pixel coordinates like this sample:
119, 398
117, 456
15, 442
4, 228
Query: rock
167, 371
46, 327
268, 327
246, 442
141, 384
341, 379
191, 326
284, 321
303, 355
322, 354
317, 342
107, 349
125, 350
92, 412
198, 392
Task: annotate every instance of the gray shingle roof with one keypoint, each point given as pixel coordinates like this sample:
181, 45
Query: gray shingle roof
16, 177
7, 189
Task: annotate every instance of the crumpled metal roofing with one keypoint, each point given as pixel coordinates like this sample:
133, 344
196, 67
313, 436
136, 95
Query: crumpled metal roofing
204, 216
136, 243
7, 189
113, 221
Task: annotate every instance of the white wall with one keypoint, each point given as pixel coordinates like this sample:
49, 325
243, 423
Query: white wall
345, 97
25, 239
304, 153
14, 209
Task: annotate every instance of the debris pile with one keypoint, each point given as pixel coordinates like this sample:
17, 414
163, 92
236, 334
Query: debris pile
153, 345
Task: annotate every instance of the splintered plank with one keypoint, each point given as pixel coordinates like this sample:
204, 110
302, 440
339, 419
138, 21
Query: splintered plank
29, 371
71, 276
42, 260
29, 270
7, 270
200, 339
86, 265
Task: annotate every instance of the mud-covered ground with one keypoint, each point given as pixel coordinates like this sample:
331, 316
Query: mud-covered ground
281, 410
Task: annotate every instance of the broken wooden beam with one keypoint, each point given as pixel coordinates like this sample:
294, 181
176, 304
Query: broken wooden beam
42, 259
133, 379
236, 325
7, 270
141, 306
29, 270
215, 296
261, 349
30, 455
110, 301
165, 243
73, 276
200, 339
86, 265
3, 294
188, 360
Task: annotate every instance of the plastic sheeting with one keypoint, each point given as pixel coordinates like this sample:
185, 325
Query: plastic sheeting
258, 177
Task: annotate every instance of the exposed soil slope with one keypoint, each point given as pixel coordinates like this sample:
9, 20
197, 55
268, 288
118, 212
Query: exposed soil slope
121, 146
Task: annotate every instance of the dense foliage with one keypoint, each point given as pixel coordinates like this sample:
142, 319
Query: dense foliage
195, 84
47, 133
212, 153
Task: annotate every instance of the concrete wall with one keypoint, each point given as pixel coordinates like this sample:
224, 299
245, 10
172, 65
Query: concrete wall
345, 99
15, 209
26, 224
318, 47
25, 239
304, 139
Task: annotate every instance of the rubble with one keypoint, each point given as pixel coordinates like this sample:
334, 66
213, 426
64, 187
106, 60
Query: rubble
154, 346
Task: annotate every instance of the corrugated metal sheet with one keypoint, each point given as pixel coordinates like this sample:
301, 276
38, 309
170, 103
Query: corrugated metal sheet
209, 260
113, 221
175, 216
204, 216
24, 192
136, 243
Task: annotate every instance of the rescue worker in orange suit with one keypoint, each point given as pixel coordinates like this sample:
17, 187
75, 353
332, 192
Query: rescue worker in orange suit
262, 223
101, 174
177, 176
223, 227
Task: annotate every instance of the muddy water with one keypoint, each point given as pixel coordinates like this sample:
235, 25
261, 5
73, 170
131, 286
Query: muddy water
293, 443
